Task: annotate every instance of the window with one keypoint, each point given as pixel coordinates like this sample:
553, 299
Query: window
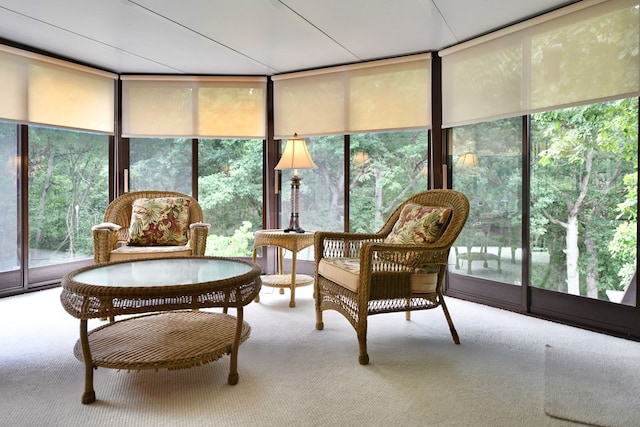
385, 169
321, 194
487, 167
68, 193
160, 164
584, 177
10, 245
230, 193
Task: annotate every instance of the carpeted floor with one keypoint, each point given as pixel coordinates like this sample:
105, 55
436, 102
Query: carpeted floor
292, 374
575, 382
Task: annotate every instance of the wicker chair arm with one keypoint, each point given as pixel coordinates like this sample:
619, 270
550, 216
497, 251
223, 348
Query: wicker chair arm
105, 236
106, 226
200, 224
198, 237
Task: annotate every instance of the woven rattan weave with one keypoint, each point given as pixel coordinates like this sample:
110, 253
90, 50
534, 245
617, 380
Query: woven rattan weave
171, 340
293, 242
176, 335
114, 231
384, 287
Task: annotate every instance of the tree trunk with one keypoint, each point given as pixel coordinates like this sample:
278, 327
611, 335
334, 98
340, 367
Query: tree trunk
592, 270
378, 219
43, 199
572, 254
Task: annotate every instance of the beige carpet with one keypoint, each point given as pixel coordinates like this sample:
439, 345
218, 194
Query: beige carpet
576, 382
293, 375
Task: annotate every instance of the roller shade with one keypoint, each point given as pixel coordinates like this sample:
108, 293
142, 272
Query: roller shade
41, 90
583, 53
378, 95
193, 106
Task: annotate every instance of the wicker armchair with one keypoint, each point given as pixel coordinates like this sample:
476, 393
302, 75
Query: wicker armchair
362, 274
110, 238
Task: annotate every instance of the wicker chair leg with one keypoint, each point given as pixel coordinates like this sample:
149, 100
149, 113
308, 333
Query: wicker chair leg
363, 358
319, 322
452, 328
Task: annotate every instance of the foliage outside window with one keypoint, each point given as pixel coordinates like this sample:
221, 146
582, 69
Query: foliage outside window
584, 165
68, 193
162, 164
321, 195
230, 193
386, 169
229, 183
487, 167
10, 225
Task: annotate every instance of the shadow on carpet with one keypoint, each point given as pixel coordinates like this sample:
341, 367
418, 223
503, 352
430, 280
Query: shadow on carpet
591, 388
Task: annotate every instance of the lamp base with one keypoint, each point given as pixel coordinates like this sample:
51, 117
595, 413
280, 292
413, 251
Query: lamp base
294, 225
297, 230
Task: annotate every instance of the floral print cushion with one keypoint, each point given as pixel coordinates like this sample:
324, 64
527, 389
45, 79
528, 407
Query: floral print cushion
419, 224
160, 221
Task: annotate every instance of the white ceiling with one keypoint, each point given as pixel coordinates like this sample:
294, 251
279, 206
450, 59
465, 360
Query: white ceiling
250, 37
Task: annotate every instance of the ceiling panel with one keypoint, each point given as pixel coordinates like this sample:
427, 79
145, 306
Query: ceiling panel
250, 37
479, 17
267, 31
128, 32
373, 29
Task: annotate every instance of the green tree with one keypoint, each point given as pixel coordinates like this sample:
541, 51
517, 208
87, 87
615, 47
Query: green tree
230, 192
583, 153
67, 192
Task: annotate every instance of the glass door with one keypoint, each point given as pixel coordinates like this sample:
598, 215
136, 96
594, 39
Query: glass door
584, 178
487, 258
68, 182
552, 229
10, 245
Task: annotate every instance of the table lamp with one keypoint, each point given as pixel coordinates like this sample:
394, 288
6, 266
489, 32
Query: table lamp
295, 156
468, 160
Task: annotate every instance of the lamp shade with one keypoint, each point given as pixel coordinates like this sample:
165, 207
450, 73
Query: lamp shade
295, 156
361, 157
468, 160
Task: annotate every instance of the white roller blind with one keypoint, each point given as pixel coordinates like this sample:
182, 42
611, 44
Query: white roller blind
41, 90
13, 87
191, 106
373, 96
586, 52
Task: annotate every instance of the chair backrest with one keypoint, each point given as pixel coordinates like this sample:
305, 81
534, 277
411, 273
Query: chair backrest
119, 210
453, 199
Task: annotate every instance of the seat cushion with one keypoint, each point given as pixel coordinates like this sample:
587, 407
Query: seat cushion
127, 253
159, 221
346, 273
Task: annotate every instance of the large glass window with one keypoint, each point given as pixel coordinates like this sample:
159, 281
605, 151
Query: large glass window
385, 169
321, 193
10, 259
160, 164
230, 193
584, 173
487, 167
68, 193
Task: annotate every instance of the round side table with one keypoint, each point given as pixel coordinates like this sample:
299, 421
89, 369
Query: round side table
293, 242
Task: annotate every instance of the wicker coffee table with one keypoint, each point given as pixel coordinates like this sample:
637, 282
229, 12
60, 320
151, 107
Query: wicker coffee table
173, 334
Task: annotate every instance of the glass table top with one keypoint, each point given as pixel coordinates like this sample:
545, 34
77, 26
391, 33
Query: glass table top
162, 272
